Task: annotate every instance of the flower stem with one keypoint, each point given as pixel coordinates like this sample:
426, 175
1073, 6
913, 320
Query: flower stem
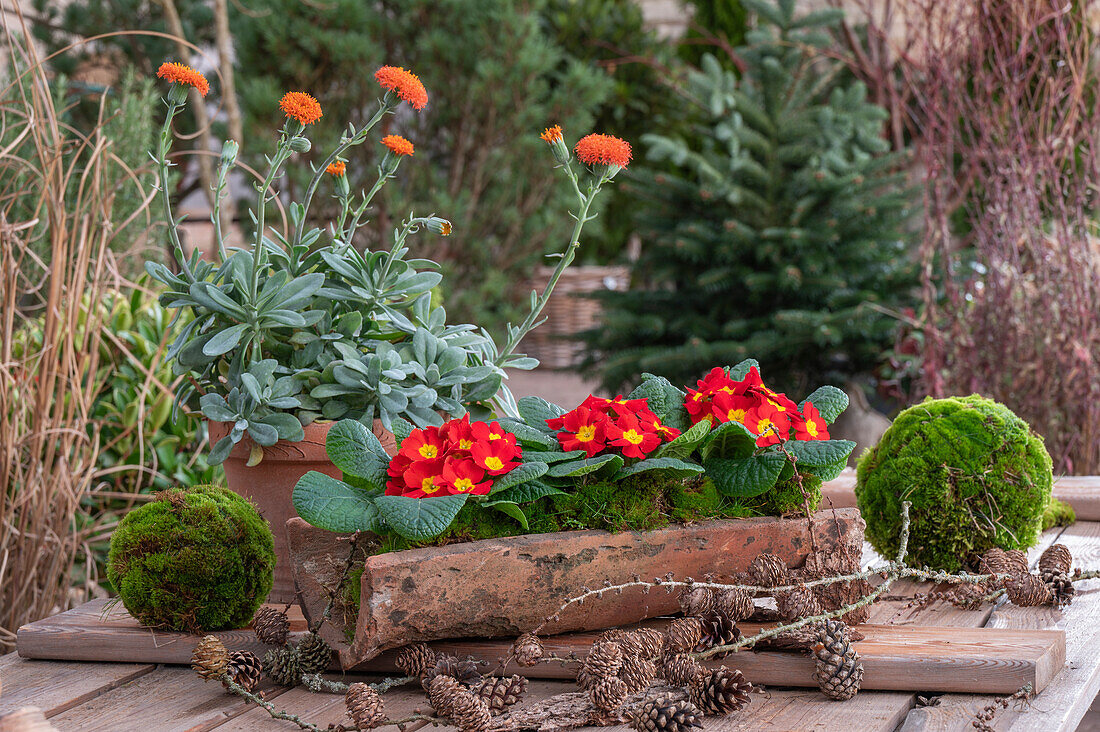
162, 167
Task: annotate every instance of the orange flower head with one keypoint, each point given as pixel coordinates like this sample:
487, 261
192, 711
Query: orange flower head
551, 134
603, 150
180, 74
300, 106
406, 84
337, 169
398, 145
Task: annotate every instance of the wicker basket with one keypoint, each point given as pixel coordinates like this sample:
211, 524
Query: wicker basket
568, 313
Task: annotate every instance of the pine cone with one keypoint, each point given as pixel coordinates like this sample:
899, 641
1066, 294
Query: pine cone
500, 692
314, 655
651, 642
609, 693
1017, 561
718, 630
720, 691
1056, 558
633, 644
244, 670
470, 713
680, 670
271, 626
684, 635
839, 672
1061, 587
210, 658
734, 604
527, 649
465, 672
663, 714
283, 666
768, 570
797, 604
364, 706
614, 635
967, 595
415, 660
442, 691
603, 661
697, 601
1028, 590
637, 672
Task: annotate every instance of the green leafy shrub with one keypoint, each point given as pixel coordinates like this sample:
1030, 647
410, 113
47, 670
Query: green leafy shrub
975, 473
779, 230
196, 560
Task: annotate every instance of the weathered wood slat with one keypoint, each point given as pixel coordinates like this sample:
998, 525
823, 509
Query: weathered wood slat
103, 631
1066, 700
896, 657
1080, 491
54, 686
165, 700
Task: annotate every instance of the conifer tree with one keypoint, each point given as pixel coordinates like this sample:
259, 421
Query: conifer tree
779, 233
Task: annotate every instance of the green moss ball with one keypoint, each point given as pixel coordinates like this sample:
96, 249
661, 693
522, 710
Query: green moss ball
196, 560
976, 474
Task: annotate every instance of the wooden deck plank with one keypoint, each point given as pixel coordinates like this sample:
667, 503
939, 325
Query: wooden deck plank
166, 700
56, 686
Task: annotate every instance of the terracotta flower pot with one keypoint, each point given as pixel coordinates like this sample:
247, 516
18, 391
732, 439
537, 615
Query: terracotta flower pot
270, 483
504, 587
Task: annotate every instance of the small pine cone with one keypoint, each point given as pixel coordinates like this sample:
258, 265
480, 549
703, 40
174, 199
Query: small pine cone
210, 658
839, 672
527, 649
633, 644
282, 666
680, 670
797, 604
615, 635
720, 691
1017, 561
609, 693
364, 706
271, 626
442, 691
500, 692
994, 562
314, 655
718, 630
697, 601
967, 595
1056, 558
1061, 587
414, 660
470, 713
734, 604
663, 714
637, 672
768, 570
603, 661
244, 670
651, 642
1028, 590
684, 635
465, 672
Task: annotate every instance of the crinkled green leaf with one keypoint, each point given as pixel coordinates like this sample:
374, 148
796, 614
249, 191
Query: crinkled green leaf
419, 519
671, 467
357, 452
829, 401
536, 410
551, 456
685, 444
529, 491
510, 509
819, 453
729, 440
528, 436
588, 466
522, 474
747, 476
333, 505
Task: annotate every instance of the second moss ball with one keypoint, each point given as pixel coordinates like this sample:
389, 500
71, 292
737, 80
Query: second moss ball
976, 474
195, 560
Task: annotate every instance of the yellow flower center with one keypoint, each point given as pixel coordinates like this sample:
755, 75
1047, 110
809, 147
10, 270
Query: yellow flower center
465, 444
428, 451
764, 426
494, 463
428, 485
463, 484
634, 437
811, 429
736, 415
586, 433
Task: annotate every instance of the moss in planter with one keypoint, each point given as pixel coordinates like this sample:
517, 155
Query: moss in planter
787, 498
976, 474
195, 560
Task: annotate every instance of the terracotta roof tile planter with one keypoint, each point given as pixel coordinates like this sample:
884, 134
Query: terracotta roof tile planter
503, 587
